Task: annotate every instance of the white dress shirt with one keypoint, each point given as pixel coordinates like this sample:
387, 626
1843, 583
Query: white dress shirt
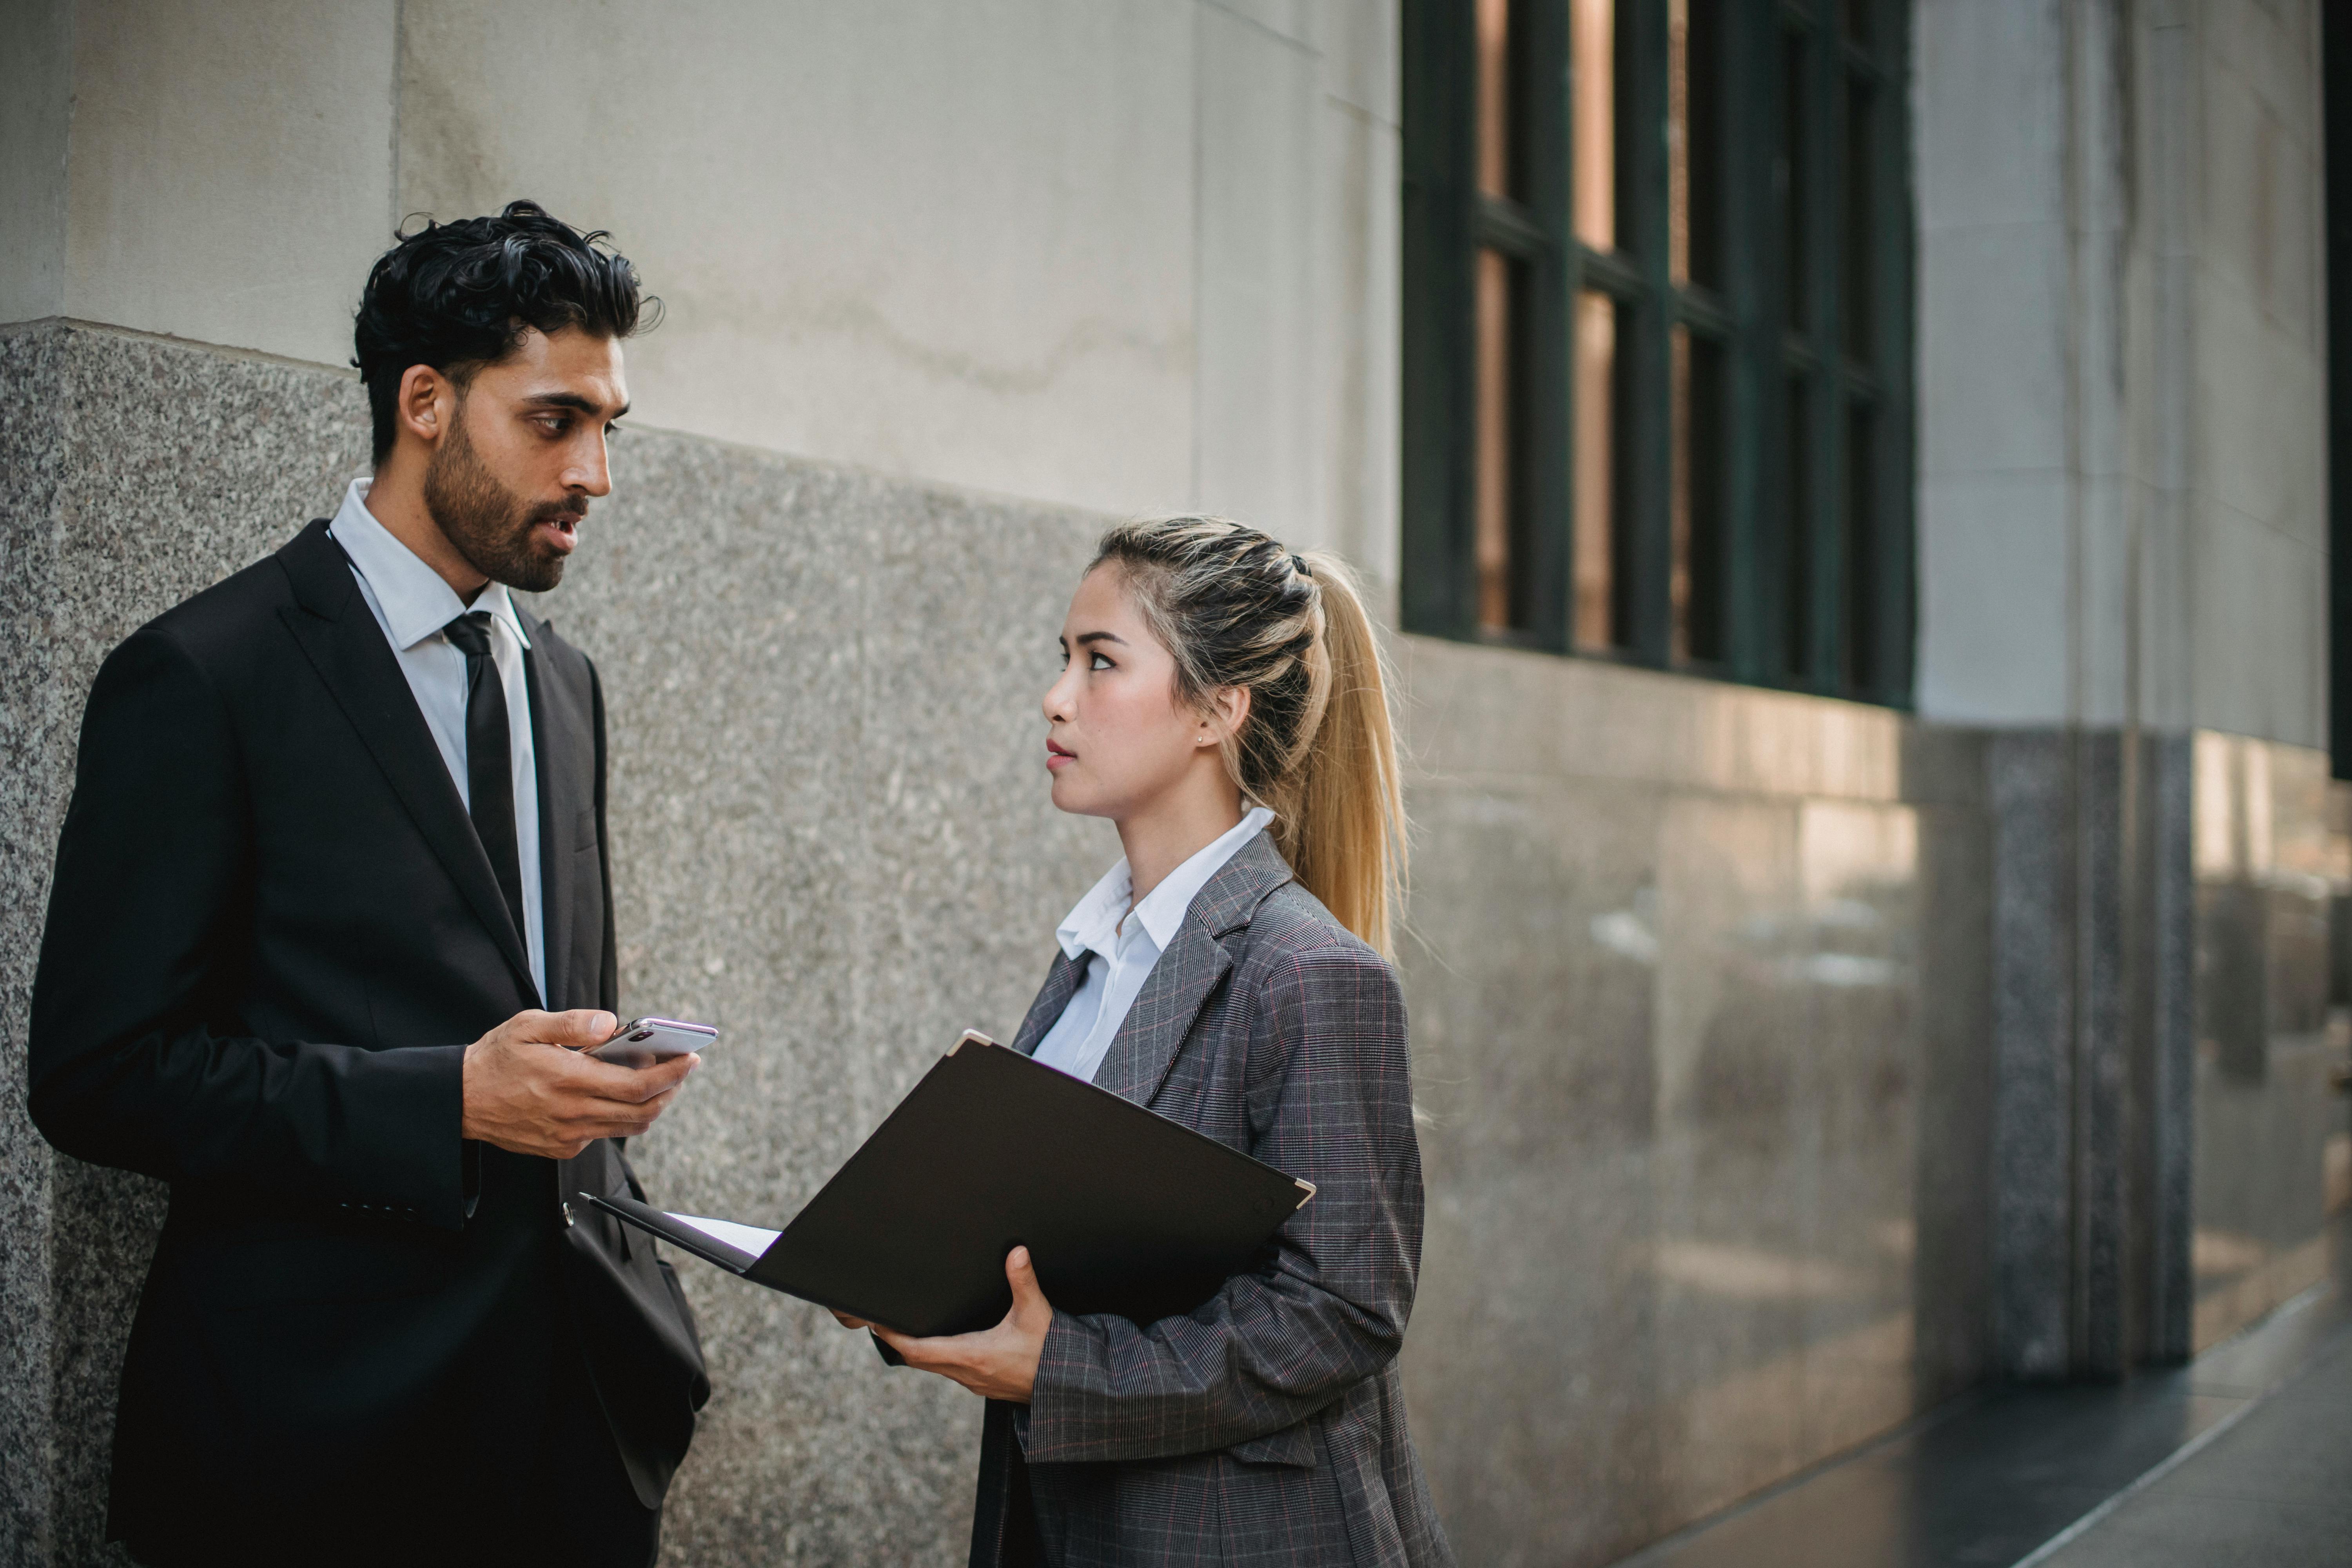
412, 603
1125, 950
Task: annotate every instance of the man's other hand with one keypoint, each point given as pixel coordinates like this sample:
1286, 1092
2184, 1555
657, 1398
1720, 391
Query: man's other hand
530, 1086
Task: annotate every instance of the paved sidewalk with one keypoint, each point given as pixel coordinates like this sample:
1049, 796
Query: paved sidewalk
2272, 1490
2240, 1459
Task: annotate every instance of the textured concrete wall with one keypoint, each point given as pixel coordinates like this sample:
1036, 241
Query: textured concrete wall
1133, 255
35, 113
2122, 477
1695, 971
1123, 254
2258, 500
221, 170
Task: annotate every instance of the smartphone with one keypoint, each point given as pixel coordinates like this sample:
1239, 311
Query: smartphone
644, 1041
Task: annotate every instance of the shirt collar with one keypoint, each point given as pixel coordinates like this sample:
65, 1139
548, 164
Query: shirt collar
1093, 920
416, 601
1093, 923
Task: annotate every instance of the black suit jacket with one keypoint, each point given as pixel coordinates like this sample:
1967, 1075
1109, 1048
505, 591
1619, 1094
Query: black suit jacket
271, 935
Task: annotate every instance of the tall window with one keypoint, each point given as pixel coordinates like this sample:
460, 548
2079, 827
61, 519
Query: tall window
1657, 342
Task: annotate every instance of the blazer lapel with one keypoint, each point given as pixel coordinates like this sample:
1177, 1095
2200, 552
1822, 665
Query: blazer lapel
355, 662
563, 746
1061, 981
1148, 1043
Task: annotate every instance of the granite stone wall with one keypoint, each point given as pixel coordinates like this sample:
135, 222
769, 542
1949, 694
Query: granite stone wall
1699, 1029
1697, 975
830, 841
2094, 976
131, 473
2272, 847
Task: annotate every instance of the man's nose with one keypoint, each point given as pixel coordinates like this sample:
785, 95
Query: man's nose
591, 472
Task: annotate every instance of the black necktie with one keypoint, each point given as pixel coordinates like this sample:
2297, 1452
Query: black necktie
489, 757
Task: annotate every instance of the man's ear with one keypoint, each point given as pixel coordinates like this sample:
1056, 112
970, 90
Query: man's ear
426, 404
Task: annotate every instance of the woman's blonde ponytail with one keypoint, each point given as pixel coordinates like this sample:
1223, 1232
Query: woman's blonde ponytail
1343, 831
1236, 609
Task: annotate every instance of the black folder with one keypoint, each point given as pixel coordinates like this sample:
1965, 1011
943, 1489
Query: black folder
1122, 1210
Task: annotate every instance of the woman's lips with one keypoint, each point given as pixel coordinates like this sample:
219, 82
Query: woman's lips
1058, 757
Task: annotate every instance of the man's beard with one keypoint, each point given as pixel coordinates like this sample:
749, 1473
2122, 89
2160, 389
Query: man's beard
489, 524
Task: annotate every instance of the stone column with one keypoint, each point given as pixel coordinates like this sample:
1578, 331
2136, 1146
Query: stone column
2055, 384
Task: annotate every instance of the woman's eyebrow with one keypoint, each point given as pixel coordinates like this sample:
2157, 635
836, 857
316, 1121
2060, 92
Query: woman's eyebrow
1086, 637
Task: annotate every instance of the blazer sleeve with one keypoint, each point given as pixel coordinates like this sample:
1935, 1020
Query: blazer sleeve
1271, 1348
134, 1060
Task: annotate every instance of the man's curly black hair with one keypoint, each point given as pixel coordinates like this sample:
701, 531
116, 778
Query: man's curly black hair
459, 296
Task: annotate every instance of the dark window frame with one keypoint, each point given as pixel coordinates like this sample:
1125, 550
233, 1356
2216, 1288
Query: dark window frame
1817, 599
2335, 94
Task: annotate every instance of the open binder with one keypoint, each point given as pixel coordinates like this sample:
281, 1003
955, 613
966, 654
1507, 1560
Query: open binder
1123, 1211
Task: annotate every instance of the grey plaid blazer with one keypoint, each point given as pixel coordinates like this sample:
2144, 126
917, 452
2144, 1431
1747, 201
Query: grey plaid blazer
1267, 1425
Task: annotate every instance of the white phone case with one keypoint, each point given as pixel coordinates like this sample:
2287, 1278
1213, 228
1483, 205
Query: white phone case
644, 1041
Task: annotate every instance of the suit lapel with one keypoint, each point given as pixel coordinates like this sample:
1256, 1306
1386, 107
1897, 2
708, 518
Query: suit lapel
1148, 1043
1061, 981
356, 662
561, 742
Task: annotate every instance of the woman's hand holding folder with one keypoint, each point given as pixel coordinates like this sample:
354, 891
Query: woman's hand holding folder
995, 1363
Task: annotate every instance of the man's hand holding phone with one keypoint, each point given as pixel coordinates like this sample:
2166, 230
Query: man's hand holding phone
531, 1087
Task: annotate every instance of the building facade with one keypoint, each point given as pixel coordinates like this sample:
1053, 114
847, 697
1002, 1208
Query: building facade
1847, 480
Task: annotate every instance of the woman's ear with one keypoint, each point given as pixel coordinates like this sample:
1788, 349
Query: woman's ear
1228, 709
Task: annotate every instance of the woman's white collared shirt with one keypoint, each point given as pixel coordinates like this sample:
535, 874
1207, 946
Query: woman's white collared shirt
1118, 958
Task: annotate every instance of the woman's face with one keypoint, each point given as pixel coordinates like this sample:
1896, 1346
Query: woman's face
1117, 741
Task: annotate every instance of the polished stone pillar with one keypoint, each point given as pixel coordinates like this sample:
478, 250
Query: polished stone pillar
2093, 1050
2074, 568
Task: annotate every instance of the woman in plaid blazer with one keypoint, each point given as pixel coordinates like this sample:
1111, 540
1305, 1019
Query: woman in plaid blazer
1221, 703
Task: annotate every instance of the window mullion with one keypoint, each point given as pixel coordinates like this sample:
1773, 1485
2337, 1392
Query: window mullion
1823, 84
1750, 44
1610, 273
1542, 475
1647, 549
1440, 589
1890, 289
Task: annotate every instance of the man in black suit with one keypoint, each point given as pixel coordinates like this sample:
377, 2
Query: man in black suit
331, 919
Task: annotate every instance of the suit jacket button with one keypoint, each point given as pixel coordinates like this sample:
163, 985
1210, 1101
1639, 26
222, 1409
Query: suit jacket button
567, 1213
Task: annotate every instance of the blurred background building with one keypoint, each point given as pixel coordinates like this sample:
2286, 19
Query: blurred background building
1849, 483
